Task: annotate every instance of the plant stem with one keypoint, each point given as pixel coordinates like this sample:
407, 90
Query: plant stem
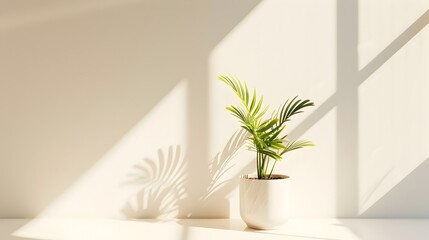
271, 173
258, 164
266, 161
266, 168
262, 166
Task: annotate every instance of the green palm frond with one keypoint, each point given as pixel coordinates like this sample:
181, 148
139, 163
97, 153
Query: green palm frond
239, 88
253, 106
293, 107
270, 153
264, 134
266, 125
293, 145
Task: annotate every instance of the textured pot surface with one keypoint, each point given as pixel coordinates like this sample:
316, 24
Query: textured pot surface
263, 202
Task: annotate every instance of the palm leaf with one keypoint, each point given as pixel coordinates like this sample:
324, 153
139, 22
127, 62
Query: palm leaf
267, 125
293, 107
270, 153
293, 145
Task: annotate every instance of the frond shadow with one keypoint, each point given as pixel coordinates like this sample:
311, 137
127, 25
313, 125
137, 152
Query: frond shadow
221, 163
161, 184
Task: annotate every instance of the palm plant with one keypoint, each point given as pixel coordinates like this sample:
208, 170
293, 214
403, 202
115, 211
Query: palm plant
265, 135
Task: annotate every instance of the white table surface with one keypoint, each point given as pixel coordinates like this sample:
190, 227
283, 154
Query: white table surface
219, 229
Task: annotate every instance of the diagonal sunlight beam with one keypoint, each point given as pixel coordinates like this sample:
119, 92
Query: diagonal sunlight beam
393, 47
187, 45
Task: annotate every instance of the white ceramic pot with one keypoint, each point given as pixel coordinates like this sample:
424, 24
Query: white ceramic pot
263, 202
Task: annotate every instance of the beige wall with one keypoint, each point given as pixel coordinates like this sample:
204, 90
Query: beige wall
112, 108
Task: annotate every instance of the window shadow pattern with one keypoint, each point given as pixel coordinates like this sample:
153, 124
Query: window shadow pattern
346, 100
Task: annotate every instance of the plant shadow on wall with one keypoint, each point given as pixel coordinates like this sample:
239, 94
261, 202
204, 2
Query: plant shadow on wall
162, 184
81, 96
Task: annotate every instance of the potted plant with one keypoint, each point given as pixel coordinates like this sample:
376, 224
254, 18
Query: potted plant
263, 196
